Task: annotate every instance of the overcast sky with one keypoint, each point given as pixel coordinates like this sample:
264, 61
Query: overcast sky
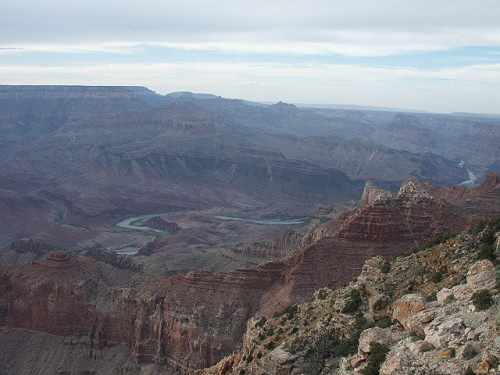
439, 55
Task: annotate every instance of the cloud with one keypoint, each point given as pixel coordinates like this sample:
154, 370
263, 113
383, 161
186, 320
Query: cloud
353, 28
423, 54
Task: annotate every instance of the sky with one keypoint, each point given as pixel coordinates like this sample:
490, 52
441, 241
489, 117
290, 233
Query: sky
437, 55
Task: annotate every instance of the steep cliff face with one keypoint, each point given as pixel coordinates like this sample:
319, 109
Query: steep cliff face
481, 200
420, 314
191, 321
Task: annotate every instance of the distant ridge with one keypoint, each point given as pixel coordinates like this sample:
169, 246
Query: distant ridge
359, 107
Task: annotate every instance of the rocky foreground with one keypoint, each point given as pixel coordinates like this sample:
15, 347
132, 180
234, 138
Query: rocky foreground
434, 311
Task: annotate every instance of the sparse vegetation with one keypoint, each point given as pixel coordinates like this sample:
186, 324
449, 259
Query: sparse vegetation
321, 348
386, 268
487, 247
378, 352
431, 297
482, 299
478, 227
450, 298
487, 251
322, 294
437, 276
349, 345
432, 242
270, 345
270, 332
353, 303
417, 336
261, 322
384, 322
289, 312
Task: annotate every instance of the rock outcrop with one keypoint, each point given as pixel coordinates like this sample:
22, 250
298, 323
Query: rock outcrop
458, 336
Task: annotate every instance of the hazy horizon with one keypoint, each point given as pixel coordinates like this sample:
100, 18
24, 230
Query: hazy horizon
416, 55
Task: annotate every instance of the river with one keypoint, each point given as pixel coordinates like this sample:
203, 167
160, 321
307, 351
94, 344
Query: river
472, 177
131, 222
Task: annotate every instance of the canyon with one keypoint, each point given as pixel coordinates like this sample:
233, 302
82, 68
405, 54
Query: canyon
191, 321
140, 233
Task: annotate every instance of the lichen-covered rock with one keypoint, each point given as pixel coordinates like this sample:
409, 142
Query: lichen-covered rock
407, 306
481, 275
443, 295
397, 362
440, 333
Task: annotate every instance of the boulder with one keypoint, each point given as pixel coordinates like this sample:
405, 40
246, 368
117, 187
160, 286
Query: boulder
462, 291
378, 302
443, 294
441, 333
480, 368
397, 362
419, 321
407, 306
420, 346
281, 356
481, 275
375, 334
469, 350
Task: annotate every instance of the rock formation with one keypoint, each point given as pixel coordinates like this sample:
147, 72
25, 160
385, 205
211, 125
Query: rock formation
191, 321
416, 335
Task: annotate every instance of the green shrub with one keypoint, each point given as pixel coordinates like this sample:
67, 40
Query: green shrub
431, 297
384, 322
242, 372
270, 331
290, 312
488, 237
478, 227
437, 277
261, 322
378, 352
482, 299
487, 251
342, 348
360, 323
353, 303
322, 294
321, 348
249, 359
416, 336
270, 345
470, 371
259, 355
450, 298
294, 330
386, 268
